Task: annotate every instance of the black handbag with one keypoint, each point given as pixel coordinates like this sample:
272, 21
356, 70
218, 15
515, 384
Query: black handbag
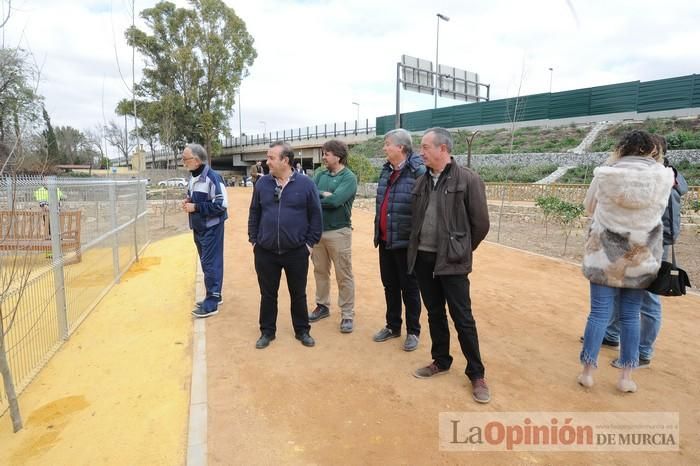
671, 279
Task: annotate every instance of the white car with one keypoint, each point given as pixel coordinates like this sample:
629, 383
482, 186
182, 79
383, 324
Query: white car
176, 182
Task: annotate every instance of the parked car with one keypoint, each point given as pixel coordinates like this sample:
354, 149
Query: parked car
176, 182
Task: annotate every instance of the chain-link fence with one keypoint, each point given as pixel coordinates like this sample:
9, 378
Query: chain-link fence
63, 243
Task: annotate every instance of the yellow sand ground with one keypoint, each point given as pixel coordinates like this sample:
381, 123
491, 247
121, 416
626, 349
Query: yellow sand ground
118, 391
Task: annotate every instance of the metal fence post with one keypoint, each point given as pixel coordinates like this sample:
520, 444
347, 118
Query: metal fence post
10, 196
59, 284
137, 185
115, 234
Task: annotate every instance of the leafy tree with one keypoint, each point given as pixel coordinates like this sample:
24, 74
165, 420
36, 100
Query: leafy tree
20, 105
195, 60
51, 143
71, 144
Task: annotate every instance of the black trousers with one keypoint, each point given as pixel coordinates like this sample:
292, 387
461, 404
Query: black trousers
269, 266
453, 289
393, 269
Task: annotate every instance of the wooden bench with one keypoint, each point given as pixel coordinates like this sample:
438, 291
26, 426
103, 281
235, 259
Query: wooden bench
29, 230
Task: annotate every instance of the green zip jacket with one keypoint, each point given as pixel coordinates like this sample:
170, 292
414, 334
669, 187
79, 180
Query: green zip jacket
337, 208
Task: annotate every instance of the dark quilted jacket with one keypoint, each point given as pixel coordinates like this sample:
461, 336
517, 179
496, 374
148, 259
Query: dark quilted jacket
399, 210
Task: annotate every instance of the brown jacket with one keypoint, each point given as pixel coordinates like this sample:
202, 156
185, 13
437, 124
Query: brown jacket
463, 218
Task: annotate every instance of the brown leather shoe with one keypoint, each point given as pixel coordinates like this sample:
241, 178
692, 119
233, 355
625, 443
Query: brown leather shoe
429, 371
480, 391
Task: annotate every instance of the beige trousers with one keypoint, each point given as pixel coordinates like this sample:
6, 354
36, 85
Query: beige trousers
336, 247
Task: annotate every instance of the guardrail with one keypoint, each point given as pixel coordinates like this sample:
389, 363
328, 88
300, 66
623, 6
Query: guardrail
300, 134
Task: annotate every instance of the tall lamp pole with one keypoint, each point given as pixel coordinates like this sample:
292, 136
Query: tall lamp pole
240, 118
437, 49
357, 118
551, 72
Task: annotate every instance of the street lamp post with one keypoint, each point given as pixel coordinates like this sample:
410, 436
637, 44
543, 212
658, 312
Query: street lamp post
264, 127
437, 49
240, 118
551, 72
357, 118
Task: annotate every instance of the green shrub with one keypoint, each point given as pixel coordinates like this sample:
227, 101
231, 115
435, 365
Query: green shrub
363, 168
563, 212
515, 173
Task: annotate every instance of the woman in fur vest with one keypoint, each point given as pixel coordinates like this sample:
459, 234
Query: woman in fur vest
625, 201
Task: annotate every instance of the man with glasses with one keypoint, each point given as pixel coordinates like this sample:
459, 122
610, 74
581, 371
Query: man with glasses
284, 223
337, 186
206, 204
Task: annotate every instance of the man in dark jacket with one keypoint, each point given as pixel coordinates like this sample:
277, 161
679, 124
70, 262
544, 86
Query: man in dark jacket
284, 223
450, 219
206, 205
392, 228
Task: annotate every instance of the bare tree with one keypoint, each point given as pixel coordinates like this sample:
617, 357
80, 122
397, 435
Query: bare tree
513, 117
93, 141
15, 271
470, 141
119, 140
6, 16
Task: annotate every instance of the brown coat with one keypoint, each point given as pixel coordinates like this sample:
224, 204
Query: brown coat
463, 218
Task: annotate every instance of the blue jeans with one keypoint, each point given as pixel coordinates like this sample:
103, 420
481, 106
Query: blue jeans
650, 325
603, 300
650, 322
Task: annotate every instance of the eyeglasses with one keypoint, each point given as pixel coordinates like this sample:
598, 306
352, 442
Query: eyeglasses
278, 192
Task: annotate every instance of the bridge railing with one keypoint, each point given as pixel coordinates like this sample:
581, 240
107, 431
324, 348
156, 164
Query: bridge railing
333, 130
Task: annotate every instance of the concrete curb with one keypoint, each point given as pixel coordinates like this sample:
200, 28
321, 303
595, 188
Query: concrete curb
197, 431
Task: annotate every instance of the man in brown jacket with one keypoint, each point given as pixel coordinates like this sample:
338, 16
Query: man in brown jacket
450, 219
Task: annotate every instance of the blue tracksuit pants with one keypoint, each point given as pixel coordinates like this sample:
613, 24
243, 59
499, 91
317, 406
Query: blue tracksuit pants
210, 247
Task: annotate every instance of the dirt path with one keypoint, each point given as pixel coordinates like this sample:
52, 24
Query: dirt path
352, 401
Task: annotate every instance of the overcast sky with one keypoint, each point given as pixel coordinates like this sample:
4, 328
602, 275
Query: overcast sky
317, 57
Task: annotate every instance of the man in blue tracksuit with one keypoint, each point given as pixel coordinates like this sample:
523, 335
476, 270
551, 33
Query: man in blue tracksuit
284, 223
206, 205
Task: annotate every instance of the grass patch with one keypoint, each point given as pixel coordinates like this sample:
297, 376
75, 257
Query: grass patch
515, 173
583, 174
496, 141
680, 133
690, 171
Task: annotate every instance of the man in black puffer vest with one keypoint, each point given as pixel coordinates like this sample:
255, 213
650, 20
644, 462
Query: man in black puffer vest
392, 229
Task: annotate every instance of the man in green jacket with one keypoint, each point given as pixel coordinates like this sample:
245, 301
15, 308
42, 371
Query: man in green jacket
337, 186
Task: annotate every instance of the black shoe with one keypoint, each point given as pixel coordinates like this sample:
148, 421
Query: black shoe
264, 341
321, 312
305, 339
606, 342
202, 314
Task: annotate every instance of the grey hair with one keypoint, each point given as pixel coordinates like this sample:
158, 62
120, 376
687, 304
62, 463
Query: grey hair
400, 137
442, 136
198, 151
